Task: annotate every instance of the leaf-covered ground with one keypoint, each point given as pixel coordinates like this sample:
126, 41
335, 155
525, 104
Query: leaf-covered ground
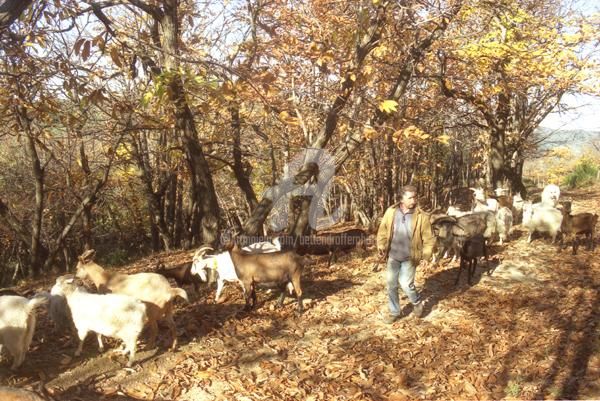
527, 331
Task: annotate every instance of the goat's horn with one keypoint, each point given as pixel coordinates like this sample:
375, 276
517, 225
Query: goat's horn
202, 251
444, 219
88, 255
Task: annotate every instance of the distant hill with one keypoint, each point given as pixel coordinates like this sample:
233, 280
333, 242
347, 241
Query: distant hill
576, 140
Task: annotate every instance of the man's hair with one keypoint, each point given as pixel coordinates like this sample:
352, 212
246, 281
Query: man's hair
407, 188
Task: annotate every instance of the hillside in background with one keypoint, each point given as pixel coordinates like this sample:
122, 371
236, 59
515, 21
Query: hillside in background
578, 141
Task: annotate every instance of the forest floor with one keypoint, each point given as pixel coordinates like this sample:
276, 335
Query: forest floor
528, 330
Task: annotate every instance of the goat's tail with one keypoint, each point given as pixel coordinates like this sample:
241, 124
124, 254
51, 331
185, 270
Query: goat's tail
36, 301
180, 292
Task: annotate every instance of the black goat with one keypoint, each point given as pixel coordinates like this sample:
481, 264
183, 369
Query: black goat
181, 273
470, 250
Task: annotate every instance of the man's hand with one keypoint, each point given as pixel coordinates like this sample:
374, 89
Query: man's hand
380, 253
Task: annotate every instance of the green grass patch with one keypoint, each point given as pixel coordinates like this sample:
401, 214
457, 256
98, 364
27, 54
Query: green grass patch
513, 388
584, 174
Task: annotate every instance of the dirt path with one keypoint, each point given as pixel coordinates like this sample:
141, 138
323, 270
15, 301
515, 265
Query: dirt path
527, 331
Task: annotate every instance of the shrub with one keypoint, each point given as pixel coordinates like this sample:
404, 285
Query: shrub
115, 258
584, 173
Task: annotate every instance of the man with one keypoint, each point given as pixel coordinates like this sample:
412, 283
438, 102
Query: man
404, 238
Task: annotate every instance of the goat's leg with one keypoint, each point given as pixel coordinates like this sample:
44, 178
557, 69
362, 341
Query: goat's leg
283, 289
100, 345
440, 254
171, 325
446, 252
253, 295
298, 289
82, 334
472, 268
18, 358
248, 299
14, 346
130, 347
153, 332
220, 285
456, 250
587, 242
575, 244
331, 254
486, 255
460, 267
248, 288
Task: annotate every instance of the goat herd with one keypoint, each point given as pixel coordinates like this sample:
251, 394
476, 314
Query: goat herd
474, 220
125, 303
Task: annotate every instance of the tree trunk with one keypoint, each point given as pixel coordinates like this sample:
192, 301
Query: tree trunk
241, 174
204, 199
154, 198
388, 168
178, 229
501, 165
496, 158
37, 251
11, 10
87, 228
299, 216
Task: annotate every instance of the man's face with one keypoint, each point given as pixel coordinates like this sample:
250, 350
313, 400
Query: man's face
409, 200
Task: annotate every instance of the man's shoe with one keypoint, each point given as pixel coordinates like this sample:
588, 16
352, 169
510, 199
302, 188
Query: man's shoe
418, 309
391, 319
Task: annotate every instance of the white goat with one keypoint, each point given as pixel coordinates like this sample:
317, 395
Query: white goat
483, 204
542, 218
112, 315
504, 222
456, 212
17, 324
220, 263
550, 195
501, 192
517, 207
151, 288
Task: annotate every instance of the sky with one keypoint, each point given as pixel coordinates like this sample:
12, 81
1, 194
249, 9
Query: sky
583, 114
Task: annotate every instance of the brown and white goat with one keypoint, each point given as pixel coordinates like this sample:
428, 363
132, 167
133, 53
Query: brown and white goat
282, 269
